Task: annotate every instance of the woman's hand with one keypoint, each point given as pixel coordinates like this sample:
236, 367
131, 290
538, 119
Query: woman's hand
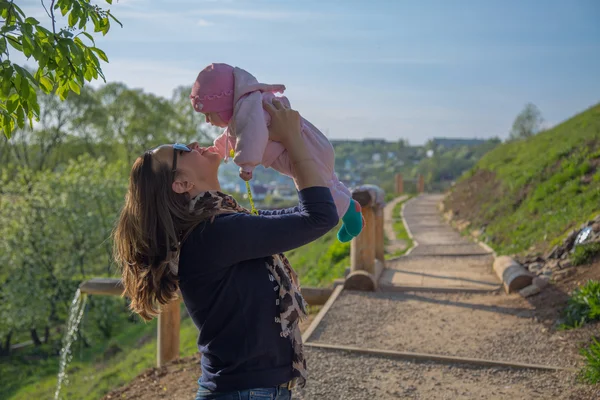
285, 123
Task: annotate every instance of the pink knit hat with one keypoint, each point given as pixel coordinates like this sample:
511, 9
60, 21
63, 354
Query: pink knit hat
213, 91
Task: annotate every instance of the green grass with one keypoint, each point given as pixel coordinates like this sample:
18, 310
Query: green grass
320, 262
531, 192
33, 375
583, 306
585, 253
400, 229
591, 371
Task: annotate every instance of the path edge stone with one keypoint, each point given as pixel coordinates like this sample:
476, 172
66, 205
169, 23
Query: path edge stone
438, 358
514, 276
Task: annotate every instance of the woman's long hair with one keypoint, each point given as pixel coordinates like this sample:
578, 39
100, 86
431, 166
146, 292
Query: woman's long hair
153, 222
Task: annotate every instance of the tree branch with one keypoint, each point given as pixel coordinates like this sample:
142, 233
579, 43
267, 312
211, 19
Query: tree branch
43, 5
52, 16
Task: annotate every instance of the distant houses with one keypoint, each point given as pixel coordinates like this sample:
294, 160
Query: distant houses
455, 142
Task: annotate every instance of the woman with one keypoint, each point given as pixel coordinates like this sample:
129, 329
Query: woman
177, 230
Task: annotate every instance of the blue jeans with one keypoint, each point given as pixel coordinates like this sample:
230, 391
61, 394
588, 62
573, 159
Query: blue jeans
271, 393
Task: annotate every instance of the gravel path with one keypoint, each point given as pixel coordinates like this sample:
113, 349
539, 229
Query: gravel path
342, 375
487, 326
432, 234
491, 326
452, 249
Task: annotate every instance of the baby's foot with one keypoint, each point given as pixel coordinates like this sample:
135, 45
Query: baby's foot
343, 235
353, 219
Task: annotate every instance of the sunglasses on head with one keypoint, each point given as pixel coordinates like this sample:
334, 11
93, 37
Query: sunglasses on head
178, 147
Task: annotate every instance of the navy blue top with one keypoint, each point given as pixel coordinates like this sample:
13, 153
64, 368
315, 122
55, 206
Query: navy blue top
227, 292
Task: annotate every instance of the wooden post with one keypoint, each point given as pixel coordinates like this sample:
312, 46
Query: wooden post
399, 184
365, 269
362, 255
421, 184
379, 235
362, 251
168, 333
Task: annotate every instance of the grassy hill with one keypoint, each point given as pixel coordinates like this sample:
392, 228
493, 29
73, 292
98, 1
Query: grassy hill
525, 195
94, 371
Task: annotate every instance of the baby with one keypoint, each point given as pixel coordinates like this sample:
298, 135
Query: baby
232, 98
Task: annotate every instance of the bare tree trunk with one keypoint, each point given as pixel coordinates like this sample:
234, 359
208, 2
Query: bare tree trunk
46, 334
35, 337
5, 348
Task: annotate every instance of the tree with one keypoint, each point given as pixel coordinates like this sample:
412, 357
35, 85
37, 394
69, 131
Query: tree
135, 120
528, 122
64, 61
56, 229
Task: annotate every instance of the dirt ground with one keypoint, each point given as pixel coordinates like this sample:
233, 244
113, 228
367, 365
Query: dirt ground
178, 379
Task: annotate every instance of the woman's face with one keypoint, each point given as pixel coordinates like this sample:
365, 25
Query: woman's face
195, 169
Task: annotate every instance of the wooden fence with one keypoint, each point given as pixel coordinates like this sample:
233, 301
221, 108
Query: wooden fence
400, 181
367, 262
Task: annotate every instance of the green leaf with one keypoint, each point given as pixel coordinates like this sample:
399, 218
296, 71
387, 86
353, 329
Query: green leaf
24, 89
115, 19
100, 53
31, 21
43, 31
8, 125
89, 37
62, 92
73, 18
36, 109
6, 85
20, 117
18, 10
74, 87
3, 45
82, 22
25, 74
27, 45
15, 42
7, 132
109, 1
47, 84
106, 26
11, 105
64, 9
43, 60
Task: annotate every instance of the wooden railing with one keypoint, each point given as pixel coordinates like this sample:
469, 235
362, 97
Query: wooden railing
169, 318
420, 182
367, 263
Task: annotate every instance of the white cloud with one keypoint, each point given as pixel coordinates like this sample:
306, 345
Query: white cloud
204, 23
396, 61
268, 15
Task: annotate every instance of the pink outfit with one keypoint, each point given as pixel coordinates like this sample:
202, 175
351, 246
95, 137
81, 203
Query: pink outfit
247, 132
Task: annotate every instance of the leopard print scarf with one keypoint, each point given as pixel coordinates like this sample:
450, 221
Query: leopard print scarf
290, 303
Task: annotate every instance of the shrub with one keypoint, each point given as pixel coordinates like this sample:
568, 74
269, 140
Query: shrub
591, 371
585, 253
583, 306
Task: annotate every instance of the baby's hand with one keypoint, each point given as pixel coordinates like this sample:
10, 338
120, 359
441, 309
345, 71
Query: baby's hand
246, 175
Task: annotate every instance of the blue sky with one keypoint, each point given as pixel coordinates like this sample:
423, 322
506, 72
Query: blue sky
381, 68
